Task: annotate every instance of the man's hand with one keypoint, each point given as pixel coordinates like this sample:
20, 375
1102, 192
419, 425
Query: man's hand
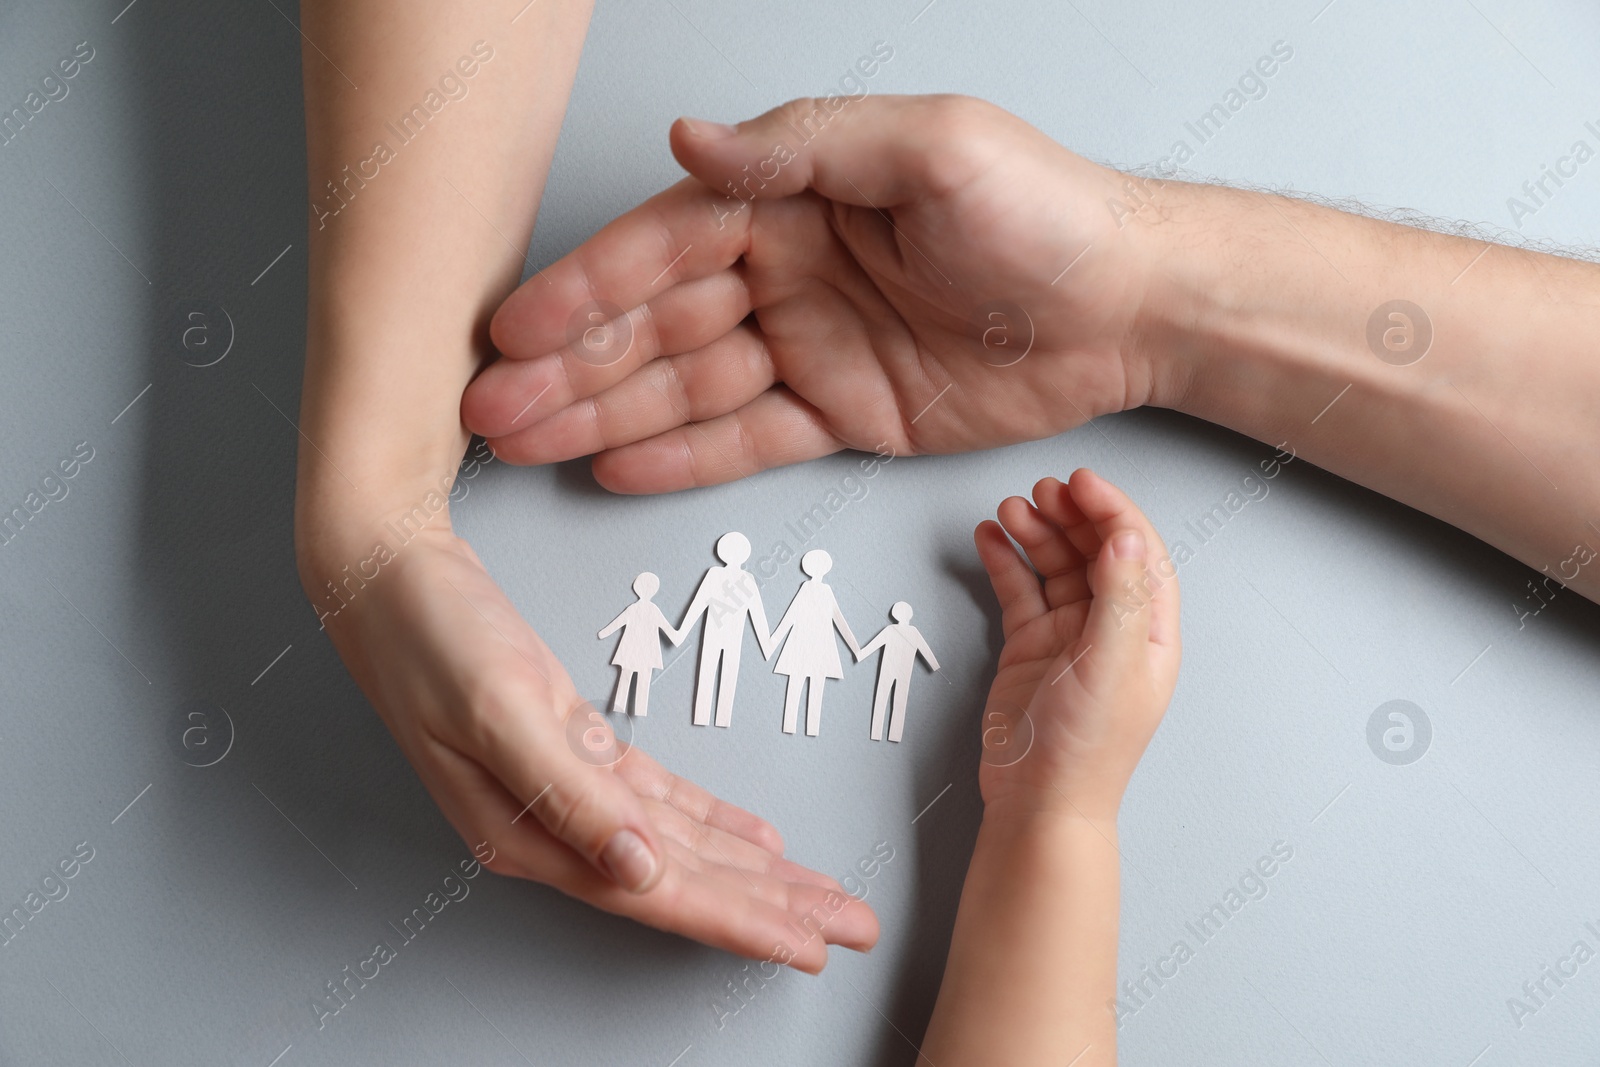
925, 274
481, 708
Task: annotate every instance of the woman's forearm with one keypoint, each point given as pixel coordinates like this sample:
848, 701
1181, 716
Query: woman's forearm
1032, 969
430, 127
1259, 320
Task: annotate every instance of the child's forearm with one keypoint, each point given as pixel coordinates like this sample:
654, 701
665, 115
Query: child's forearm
1274, 318
1033, 961
424, 183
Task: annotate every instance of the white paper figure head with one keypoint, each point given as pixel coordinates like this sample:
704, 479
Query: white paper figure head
901, 612
816, 563
733, 548
646, 585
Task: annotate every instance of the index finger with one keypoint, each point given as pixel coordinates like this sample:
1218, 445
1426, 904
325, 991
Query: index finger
680, 234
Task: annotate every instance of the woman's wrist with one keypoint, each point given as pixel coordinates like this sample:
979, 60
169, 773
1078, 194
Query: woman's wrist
381, 435
344, 528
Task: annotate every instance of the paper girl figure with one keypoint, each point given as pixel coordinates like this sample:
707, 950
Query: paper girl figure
726, 597
810, 656
902, 643
639, 652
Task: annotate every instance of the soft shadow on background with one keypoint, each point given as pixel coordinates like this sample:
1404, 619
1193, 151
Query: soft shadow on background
281, 831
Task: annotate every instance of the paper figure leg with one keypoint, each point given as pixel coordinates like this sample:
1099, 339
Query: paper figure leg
619, 703
725, 686
880, 704
814, 707
897, 716
705, 683
791, 703
641, 694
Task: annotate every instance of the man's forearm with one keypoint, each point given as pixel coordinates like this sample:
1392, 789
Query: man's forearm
1259, 321
1033, 961
430, 127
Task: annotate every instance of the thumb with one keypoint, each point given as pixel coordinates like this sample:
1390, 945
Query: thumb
1119, 616
560, 770
876, 152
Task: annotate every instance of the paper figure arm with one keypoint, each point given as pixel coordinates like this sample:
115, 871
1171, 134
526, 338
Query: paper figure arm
612, 626
785, 625
674, 634
879, 641
758, 622
697, 606
922, 647
844, 628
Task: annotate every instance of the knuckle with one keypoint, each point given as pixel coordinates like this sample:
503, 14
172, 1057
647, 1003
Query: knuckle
745, 443
964, 130
675, 385
493, 713
794, 113
960, 114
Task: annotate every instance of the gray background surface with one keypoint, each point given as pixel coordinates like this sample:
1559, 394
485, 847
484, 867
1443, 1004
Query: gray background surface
1418, 899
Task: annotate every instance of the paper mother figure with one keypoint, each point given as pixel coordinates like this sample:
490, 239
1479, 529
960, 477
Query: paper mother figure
810, 656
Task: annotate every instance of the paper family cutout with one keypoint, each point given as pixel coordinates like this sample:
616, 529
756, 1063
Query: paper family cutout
726, 598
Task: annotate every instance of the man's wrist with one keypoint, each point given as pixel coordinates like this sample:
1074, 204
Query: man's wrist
1246, 320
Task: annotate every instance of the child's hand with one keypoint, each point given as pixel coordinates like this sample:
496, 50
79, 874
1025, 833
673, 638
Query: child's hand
1091, 648
923, 275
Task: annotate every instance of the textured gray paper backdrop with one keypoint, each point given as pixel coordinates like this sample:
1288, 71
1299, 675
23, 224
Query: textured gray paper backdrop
1417, 897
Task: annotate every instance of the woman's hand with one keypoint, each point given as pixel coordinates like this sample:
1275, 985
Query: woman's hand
925, 274
482, 710
1091, 649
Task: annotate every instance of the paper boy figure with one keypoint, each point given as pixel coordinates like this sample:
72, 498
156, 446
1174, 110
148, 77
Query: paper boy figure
639, 652
727, 596
901, 643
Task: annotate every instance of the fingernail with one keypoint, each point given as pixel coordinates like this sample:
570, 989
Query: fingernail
629, 860
709, 130
1129, 544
